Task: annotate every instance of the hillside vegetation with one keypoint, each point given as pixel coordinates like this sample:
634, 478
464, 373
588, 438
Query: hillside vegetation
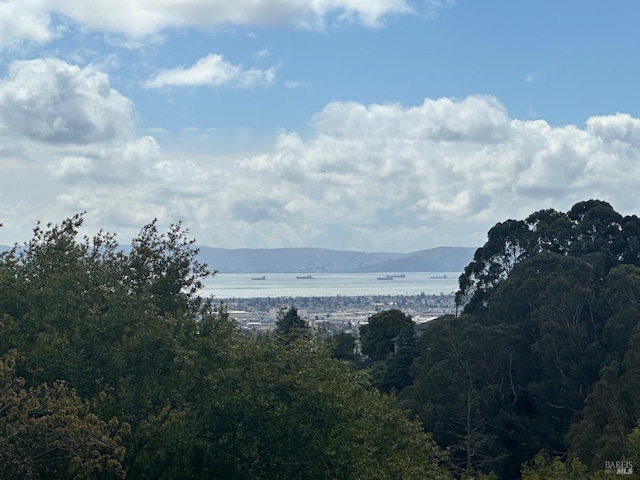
112, 367
544, 358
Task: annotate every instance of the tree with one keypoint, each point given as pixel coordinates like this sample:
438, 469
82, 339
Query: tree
396, 374
49, 432
633, 447
376, 335
613, 406
465, 388
83, 311
544, 356
285, 410
290, 326
200, 399
498, 386
165, 267
508, 243
343, 346
542, 467
592, 230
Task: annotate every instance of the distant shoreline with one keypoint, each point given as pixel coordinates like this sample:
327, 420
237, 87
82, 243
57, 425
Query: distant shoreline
243, 285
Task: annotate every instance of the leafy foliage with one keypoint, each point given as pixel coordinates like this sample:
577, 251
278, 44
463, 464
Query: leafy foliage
396, 374
376, 336
592, 230
544, 356
544, 468
293, 412
183, 394
50, 432
343, 346
290, 326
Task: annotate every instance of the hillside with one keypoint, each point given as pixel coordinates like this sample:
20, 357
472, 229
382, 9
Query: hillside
441, 259
316, 260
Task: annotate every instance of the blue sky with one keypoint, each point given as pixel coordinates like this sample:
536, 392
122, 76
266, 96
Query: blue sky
350, 124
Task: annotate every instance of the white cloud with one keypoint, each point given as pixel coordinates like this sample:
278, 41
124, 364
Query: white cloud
23, 20
32, 19
367, 177
264, 53
293, 84
52, 101
476, 118
394, 177
70, 167
617, 129
64, 128
212, 70
532, 76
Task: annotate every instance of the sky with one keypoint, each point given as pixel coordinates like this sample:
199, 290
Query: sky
369, 125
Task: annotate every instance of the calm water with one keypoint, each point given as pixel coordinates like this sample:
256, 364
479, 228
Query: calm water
241, 285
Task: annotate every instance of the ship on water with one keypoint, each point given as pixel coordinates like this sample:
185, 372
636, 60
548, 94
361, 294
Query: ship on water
259, 278
305, 277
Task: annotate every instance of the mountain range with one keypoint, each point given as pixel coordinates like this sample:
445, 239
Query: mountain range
316, 260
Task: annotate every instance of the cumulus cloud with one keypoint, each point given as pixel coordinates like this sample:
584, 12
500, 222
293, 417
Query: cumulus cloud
52, 101
441, 173
32, 19
24, 20
476, 118
212, 70
64, 128
620, 129
366, 177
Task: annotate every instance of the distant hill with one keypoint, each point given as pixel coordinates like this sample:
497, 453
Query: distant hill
316, 260
262, 260
440, 259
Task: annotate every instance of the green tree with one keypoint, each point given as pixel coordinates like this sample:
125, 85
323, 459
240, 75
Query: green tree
613, 405
200, 399
83, 311
164, 267
376, 336
542, 467
508, 243
465, 390
591, 229
396, 374
343, 346
50, 432
632, 452
290, 326
544, 356
276, 410
289, 320
497, 387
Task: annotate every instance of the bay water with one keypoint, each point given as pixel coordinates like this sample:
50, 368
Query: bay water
252, 285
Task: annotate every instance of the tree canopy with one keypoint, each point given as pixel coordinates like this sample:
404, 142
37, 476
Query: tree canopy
376, 336
543, 356
50, 432
592, 230
115, 367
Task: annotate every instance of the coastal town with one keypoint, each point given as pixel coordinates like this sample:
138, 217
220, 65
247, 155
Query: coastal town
336, 313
